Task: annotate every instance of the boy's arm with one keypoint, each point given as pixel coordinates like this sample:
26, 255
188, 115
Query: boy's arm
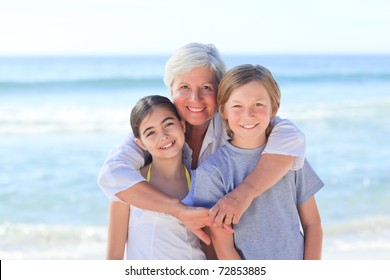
224, 244
284, 151
119, 213
312, 229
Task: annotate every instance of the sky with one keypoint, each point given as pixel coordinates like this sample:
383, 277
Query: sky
116, 27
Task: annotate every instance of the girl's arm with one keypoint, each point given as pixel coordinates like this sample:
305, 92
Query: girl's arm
285, 150
120, 177
224, 244
119, 214
312, 229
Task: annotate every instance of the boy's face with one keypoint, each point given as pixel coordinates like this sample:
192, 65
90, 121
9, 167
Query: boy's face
248, 112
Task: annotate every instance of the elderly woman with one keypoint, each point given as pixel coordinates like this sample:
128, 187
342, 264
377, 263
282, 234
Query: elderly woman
192, 75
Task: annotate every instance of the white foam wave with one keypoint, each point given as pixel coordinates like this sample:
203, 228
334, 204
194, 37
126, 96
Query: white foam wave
367, 238
50, 119
22, 241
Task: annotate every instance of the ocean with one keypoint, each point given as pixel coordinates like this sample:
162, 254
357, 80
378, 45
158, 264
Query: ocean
60, 116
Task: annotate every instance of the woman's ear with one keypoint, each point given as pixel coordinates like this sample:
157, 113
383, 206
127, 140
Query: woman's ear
222, 114
139, 143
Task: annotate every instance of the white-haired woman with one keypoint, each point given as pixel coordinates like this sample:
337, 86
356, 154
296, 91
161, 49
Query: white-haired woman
192, 75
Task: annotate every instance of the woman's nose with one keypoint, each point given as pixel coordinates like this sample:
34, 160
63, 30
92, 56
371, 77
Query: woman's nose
195, 94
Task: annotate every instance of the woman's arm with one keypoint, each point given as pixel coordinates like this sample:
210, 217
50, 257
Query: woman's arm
284, 151
120, 170
312, 229
118, 223
120, 177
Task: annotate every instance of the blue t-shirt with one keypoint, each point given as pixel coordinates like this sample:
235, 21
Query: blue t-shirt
270, 228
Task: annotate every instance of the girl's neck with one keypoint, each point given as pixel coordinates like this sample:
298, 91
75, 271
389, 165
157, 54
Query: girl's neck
171, 169
194, 136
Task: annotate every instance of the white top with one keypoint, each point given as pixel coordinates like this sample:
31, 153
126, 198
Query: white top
159, 236
120, 171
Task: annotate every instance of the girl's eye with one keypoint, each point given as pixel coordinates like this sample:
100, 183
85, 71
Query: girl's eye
150, 133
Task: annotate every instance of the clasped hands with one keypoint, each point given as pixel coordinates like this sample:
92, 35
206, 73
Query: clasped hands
227, 211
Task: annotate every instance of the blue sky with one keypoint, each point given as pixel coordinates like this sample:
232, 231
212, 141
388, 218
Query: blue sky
161, 26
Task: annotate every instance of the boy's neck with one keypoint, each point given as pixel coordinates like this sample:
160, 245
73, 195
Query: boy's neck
248, 143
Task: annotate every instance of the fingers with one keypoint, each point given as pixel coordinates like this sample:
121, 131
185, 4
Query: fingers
236, 218
224, 212
214, 211
228, 228
202, 236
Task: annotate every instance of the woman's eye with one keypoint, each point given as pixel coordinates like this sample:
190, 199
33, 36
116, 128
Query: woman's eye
184, 87
169, 124
237, 106
258, 104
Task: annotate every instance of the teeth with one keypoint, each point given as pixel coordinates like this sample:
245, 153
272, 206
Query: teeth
249, 125
195, 109
167, 146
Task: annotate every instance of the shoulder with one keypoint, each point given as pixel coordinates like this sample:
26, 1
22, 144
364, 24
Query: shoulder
216, 159
144, 170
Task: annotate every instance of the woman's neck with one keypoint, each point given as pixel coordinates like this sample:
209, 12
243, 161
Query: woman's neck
194, 136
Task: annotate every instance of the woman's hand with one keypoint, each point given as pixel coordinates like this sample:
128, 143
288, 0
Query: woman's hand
196, 218
231, 207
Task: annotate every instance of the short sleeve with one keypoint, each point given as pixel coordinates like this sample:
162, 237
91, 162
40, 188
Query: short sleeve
307, 182
286, 139
208, 186
120, 170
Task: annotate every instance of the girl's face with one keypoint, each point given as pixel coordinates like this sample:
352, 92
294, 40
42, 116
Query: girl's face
161, 133
195, 95
248, 112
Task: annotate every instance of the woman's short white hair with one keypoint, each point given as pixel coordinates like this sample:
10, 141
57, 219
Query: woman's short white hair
191, 56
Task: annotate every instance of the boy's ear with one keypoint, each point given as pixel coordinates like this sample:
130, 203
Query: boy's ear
139, 143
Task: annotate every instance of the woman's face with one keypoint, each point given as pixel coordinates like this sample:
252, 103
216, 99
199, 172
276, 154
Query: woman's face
195, 95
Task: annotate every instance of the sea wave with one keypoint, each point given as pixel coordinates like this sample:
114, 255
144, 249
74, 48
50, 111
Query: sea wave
153, 82
364, 239
24, 241
116, 82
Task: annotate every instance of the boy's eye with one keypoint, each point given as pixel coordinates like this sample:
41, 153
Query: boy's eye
169, 124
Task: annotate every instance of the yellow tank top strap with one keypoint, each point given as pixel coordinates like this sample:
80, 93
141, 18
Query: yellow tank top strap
188, 178
185, 169
149, 171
